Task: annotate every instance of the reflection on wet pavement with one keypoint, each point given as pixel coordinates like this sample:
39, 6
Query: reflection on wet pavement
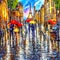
18, 53
28, 48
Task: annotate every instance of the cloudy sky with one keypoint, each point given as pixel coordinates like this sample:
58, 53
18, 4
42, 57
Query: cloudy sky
26, 5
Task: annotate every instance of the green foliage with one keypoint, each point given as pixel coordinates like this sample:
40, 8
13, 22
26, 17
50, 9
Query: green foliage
12, 3
9, 3
15, 2
57, 3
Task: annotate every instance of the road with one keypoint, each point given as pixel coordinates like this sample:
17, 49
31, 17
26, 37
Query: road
31, 46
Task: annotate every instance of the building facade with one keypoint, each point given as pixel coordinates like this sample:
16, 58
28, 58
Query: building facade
50, 14
17, 13
50, 10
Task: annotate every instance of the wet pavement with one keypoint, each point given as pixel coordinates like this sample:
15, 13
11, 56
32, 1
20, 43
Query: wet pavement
18, 53
33, 46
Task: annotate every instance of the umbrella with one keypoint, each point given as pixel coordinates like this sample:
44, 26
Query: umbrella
32, 22
13, 22
52, 22
28, 20
19, 24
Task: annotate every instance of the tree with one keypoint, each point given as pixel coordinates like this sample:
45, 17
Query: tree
57, 3
12, 3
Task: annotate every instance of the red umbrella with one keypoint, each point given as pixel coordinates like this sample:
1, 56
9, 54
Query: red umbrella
19, 24
13, 22
28, 20
51, 22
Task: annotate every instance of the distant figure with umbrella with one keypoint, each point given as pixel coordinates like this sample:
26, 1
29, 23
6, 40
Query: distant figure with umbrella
11, 28
33, 27
16, 31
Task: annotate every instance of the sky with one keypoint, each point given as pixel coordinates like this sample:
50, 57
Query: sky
26, 6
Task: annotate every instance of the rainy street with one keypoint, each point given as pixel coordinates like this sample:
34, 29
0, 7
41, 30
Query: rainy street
29, 30
27, 45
